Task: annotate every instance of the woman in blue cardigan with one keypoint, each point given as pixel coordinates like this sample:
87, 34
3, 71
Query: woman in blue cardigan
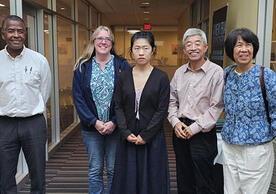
95, 75
249, 126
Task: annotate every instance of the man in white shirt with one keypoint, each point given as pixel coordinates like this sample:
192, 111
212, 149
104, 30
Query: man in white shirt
25, 86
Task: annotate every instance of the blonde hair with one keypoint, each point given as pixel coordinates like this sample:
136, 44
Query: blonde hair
89, 51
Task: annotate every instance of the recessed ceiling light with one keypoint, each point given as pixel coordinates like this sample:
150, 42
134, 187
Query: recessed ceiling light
2, 5
144, 5
133, 31
146, 12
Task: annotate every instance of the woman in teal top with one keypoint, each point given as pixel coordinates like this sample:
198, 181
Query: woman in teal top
94, 79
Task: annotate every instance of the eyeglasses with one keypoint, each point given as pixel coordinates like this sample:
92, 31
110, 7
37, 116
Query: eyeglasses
101, 39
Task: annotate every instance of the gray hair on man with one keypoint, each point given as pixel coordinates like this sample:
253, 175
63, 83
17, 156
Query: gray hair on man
192, 32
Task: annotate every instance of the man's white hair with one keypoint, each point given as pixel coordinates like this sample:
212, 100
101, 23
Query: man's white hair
192, 32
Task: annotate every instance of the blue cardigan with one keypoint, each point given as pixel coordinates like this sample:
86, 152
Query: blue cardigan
82, 95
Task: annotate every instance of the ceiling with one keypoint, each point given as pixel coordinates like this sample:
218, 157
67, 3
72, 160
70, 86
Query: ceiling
131, 12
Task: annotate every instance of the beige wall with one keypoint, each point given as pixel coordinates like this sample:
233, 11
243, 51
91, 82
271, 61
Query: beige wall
241, 14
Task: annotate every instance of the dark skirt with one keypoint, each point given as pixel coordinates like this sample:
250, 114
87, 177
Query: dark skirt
142, 169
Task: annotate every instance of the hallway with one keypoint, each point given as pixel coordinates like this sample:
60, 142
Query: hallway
67, 168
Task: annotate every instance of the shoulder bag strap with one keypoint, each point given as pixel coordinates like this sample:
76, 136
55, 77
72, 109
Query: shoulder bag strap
227, 73
264, 93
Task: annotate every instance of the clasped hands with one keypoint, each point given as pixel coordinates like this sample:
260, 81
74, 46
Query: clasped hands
105, 128
135, 139
182, 131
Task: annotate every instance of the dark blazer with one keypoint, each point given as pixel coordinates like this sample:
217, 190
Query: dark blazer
82, 95
153, 106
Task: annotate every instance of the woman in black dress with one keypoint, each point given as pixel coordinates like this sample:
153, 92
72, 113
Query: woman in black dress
141, 105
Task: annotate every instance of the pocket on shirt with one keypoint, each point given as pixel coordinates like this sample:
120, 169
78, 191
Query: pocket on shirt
32, 79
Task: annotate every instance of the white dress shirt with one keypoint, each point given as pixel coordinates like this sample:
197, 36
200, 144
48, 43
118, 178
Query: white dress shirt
25, 83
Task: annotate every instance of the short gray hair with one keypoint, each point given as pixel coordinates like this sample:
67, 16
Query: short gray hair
192, 32
13, 18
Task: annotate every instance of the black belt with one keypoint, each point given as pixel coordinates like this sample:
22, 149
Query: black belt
186, 121
4, 116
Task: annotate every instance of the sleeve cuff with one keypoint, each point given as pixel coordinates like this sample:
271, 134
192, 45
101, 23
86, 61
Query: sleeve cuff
175, 121
195, 128
125, 134
93, 122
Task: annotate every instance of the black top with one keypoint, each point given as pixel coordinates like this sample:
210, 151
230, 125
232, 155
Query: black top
153, 106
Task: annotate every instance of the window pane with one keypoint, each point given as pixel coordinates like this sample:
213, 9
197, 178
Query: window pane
4, 11
44, 3
94, 19
65, 7
83, 13
193, 14
65, 68
205, 8
83, 40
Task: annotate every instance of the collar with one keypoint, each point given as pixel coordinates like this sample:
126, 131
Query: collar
95, 61
203, 67
18, 56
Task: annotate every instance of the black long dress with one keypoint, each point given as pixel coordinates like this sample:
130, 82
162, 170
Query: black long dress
142, 169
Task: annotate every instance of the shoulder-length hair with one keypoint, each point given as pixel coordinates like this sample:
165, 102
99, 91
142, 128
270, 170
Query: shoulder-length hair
89, 51
247, 35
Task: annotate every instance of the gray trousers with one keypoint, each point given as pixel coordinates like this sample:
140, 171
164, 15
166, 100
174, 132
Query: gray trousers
30, 134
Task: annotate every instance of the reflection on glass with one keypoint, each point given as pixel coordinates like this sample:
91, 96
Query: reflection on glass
30, 26
65, 68
44, 3
83, 13
65, 7
47, 45
83, 40
4, 11
94, 19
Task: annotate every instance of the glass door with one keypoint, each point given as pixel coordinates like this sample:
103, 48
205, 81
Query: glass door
30, 16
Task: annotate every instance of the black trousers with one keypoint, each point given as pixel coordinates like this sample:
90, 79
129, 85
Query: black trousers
194, 162
29, 134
